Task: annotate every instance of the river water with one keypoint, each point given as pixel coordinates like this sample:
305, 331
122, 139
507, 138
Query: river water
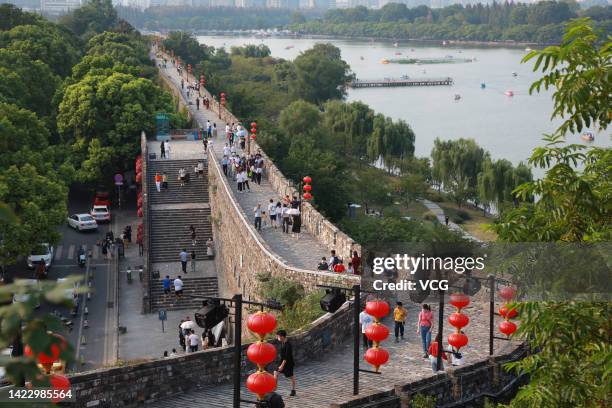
508, 127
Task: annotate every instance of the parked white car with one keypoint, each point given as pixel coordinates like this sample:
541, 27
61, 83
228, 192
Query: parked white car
42, 252
82, 222
101, 213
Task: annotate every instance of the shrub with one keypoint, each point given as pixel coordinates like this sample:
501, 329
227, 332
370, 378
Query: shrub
464, 215
436, 197
423, 401
429, 216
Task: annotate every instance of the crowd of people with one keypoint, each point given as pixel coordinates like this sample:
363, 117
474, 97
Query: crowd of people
425, 325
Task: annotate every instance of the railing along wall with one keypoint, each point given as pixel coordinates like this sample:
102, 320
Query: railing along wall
146, 216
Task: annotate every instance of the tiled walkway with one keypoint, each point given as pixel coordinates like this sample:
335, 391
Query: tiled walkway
303, 253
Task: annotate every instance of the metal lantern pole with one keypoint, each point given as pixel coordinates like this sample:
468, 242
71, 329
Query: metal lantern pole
356, 311
237, 348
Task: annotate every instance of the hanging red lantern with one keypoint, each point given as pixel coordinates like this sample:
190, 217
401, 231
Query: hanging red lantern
459, 300
376, 356
253, 137
307, 180
458, 340
47, 360
261, 383
138, 178
507, 312
138, 167
261, 323
139, 202
253, 124
377, 332
60, 383
377, 308
140, 227
458, 320
140, 213
253, 130
507, 293
261, 353
307, 196
507, 327
307, 187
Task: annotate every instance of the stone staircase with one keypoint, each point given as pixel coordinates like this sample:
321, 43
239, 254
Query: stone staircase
171, 233
192, 287
195, 191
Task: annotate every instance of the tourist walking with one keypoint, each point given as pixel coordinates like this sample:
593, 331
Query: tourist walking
214, 130
194, 340
208, 128
164, 181
424, 327
399, 318
197, 103
356, 261
365, 320
158, 182
183, 255
181, 176
257, 212
162, 148
285, 218
166, 285
178, 286
224, 163
432, 353
210, 248
192, 231
287, 363
323, 266
272, 213
193, 262
168, 149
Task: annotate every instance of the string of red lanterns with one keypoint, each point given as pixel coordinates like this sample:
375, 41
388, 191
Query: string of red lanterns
506, 326
377, 332
261, 354
458, 320
253, 130
307, 188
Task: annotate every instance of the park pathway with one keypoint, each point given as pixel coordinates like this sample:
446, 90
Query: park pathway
439, 213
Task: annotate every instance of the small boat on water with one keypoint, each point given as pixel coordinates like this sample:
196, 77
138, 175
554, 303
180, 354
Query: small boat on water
483, 85
457, 97
509, 93
384, 61
443, 42
361, 58
514, 74
396, 44
398, 53
528, 49
289, 47
587, 136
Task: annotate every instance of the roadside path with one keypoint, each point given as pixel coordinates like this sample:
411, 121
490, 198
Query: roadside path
439, 213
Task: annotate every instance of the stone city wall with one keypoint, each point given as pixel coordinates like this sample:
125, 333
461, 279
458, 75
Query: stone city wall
134, 384
457, 387
242, 255
312, 220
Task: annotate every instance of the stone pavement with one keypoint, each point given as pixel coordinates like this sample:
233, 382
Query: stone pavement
303, 253
328, 379
439, 213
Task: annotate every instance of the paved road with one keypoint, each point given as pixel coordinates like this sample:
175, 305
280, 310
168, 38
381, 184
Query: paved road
65, 264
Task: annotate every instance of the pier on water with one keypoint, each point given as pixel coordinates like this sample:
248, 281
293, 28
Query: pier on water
387, 82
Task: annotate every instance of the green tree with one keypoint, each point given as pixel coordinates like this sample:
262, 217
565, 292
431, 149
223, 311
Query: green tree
93, 17
299, 117
21, 134
321, 74
187, 47
579, 71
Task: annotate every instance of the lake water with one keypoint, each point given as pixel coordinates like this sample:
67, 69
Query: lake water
508, 127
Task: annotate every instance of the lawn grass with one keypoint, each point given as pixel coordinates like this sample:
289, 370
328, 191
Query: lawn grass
477, 223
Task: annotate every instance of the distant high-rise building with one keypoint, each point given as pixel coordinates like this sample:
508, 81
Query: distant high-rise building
59, 7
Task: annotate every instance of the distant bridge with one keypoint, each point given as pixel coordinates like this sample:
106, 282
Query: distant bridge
387, 82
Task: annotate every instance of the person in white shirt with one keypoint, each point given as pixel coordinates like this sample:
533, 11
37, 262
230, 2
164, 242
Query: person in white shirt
226, 150
167, 147
194, 340
178, 286
272, 213
365, 320
233, 149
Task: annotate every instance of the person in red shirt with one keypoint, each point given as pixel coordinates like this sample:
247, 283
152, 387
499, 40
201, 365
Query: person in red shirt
339, 268
356, 261
433, 357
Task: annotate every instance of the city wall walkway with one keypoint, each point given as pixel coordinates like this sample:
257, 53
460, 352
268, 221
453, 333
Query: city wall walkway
302, 253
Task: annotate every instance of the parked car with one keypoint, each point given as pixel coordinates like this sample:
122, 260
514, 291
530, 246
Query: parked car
101, 213
24, 297
102, 198
82, 222
41, 252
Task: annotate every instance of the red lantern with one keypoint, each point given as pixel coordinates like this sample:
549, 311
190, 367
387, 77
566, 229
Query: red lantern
307, 180
377, 332
307, 196
139, 178
307, 187
253, 130
261, 353
140, 227
140, 213
261, 383
139, 202
253, 124
377, 308
60, 383
376, 356
458, 340
138, 167
507, 313
222, 95
253, 136
45, 359
459, 300
458, 320
507, 327
507, 293
261, 323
